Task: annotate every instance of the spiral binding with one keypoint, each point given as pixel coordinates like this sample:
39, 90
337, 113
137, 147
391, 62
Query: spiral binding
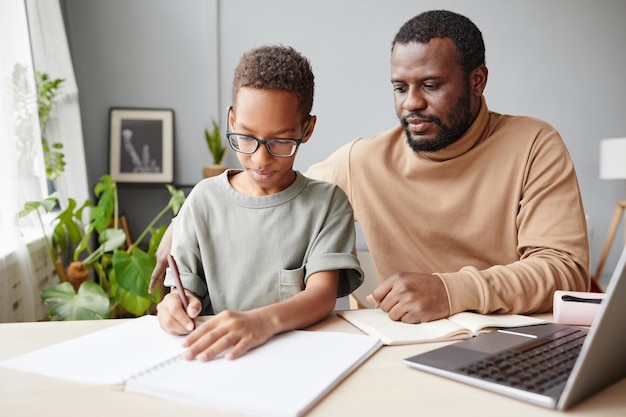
152, 367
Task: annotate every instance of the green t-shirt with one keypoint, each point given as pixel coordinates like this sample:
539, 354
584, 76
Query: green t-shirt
240, 252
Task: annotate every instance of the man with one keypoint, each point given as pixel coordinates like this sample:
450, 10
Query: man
462, 208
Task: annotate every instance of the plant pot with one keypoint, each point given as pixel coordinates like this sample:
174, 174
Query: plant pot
213, 170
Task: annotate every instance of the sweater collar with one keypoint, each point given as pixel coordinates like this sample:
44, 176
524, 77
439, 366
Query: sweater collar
472, 136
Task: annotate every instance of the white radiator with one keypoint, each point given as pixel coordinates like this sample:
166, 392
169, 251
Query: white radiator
20, 290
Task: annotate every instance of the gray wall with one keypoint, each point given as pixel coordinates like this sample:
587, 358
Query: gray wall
559, 60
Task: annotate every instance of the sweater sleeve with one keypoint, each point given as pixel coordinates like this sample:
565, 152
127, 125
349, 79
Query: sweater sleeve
552, 243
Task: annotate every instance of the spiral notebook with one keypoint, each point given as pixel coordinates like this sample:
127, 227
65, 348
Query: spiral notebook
105, 357
284, 377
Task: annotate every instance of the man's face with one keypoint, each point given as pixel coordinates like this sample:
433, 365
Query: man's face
435, 101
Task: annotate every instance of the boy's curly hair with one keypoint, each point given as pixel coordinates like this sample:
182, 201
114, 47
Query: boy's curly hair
277, 67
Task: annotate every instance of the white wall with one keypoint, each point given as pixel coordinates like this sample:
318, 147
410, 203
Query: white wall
559, 60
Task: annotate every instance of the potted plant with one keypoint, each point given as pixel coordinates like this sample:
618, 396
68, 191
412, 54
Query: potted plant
218, 151
120, 275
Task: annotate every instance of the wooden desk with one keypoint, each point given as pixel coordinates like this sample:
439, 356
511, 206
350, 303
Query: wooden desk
383, 386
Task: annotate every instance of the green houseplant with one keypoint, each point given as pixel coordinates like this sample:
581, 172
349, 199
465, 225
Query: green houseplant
121, 275
47, 90
217, 149
111, 279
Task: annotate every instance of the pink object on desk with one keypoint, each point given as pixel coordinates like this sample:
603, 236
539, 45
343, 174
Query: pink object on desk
576, 308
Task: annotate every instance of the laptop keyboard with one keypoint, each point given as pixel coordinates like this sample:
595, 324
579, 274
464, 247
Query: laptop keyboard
537, 366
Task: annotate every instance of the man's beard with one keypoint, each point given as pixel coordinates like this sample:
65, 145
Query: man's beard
460, 120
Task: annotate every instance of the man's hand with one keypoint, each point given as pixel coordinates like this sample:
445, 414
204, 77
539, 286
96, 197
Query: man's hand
412, 297
158, 274
241, 330
172, 316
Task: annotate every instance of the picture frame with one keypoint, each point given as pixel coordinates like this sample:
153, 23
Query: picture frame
141, 145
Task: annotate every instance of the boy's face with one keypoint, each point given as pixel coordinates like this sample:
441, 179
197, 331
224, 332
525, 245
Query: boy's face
266, 114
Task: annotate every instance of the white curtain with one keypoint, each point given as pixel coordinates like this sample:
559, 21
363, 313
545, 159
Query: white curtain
32, 30
21, 163
52, 55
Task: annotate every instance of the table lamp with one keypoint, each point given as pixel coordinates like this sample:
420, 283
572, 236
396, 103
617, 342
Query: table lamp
613, 159
612, 167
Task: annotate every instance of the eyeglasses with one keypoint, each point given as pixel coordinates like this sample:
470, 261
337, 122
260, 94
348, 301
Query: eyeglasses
279, 147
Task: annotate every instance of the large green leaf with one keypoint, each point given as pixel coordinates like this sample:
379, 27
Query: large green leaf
133, 270
130, 302
133, 303
90, 303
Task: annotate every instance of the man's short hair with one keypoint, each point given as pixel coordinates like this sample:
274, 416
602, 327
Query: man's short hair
277, 68
446, 24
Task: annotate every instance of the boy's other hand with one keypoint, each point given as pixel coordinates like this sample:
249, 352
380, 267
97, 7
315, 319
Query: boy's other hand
239, 330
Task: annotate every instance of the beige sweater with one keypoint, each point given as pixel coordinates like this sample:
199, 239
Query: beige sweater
497, 215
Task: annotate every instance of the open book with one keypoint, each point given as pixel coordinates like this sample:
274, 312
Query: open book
284, 377
376, 322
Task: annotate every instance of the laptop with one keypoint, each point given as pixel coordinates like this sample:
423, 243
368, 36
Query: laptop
593, 358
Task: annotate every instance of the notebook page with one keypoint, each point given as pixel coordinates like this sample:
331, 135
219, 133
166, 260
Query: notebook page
105, 357
284, 377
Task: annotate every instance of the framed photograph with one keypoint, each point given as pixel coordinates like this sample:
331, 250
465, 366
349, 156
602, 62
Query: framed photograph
141, 145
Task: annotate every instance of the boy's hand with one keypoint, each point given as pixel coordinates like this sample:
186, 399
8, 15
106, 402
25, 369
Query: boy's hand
172, 316
241, 330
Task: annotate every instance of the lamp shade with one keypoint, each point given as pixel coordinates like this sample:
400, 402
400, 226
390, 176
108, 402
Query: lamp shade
613, 159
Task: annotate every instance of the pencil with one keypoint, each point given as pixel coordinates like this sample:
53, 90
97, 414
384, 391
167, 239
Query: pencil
179, 284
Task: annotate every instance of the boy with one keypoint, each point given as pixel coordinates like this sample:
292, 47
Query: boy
265, 249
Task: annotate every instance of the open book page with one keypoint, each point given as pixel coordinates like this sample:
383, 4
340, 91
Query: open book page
377, 323
105, 357
284, 377
484, 323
